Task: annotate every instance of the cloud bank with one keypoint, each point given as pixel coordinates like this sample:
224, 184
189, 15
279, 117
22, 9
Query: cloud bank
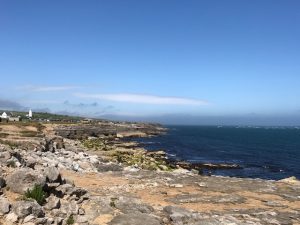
143, 99
47, 88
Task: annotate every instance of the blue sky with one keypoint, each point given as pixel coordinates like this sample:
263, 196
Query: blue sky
152, 59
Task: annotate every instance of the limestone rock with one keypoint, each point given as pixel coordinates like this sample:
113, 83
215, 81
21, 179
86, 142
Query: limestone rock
29, 218
127, 205
178, 215
105, 167
134, 219
4, 206
70, 208
52, 174
11, 218
25, 208
30, 162
4, 156
52, 203
290, 180
54, 143
23, 179
65, 189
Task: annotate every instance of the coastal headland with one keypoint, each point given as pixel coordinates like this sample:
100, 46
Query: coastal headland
93, 173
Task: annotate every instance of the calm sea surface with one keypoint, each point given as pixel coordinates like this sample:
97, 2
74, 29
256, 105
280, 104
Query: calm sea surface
263, 152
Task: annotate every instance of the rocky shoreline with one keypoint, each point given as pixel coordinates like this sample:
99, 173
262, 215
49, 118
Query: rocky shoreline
87, 174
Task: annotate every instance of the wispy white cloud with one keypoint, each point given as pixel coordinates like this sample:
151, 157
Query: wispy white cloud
143, 99
42, 101
34, 88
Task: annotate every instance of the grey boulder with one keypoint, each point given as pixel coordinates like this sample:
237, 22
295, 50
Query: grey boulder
52, 174
4, 206
25, 208
23, 179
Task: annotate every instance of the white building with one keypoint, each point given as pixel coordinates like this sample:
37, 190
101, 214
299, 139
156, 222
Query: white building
4, 115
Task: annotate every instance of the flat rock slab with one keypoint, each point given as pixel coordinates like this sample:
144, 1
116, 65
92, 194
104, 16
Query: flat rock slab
194, 198
135, 219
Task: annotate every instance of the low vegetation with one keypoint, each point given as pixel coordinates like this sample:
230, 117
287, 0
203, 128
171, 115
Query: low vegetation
29, 133
96, 144
11, 163
140, 159
112, 202
70, 220
37, 194
11, 144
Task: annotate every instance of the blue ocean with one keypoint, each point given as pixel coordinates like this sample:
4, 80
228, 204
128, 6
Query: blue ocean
262, 152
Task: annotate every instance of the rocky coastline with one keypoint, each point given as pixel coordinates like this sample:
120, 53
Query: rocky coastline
93, 174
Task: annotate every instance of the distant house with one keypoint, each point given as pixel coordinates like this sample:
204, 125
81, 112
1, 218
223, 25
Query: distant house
87, 120
14, 118
4, 117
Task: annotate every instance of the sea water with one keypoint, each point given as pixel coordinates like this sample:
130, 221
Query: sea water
262, 152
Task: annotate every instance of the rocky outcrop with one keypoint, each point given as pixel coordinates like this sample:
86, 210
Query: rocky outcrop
52, 174
25, 208
24, 179
4, 206
124, 184
135, 219
109, 129
85, 131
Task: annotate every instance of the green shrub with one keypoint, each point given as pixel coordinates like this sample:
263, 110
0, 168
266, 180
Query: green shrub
112, 202
11, 163
96, 144
70, 220
37, 194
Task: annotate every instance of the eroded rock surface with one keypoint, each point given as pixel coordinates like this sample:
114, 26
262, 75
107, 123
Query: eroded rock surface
121, 184
23, 179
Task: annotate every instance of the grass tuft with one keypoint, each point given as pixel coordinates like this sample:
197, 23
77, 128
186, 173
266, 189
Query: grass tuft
70, 220
37, 194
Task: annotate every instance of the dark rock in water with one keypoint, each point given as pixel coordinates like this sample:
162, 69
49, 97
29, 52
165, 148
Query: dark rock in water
158, 155
201, 166
220, 166
135, 219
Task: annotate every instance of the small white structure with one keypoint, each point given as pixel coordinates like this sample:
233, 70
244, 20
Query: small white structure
29, 115
4, 115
